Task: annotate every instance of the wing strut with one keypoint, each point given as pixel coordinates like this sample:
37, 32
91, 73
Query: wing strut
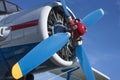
70, 71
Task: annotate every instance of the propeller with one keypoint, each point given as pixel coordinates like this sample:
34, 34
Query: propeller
93, 17
87, 21
43, 51
64, 7
84, 63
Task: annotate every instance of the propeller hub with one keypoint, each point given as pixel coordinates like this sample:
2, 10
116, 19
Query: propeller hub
78, 26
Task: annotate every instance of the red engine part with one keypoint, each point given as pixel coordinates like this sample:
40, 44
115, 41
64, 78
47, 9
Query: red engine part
79, 27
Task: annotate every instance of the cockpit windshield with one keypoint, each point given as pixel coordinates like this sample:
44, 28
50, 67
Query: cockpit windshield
7, 7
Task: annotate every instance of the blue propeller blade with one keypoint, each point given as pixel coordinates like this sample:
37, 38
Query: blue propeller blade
64, 7
93, 17
84, 63
39, 54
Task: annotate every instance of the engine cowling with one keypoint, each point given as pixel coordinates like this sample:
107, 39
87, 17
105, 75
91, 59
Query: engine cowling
55, 21
51, 19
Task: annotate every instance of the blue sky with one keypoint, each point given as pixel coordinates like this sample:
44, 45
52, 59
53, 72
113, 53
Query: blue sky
102, 41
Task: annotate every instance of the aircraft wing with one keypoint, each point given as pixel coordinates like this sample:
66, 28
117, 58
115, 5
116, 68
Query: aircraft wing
78, 74
99, 75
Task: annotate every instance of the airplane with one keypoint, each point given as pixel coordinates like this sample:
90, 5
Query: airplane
42, 39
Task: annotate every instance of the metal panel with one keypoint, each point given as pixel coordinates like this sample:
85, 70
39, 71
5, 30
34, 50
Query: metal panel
8, 7
17, 34
11, 7
2, 6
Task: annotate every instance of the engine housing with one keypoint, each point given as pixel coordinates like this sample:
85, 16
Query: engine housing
44, 28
